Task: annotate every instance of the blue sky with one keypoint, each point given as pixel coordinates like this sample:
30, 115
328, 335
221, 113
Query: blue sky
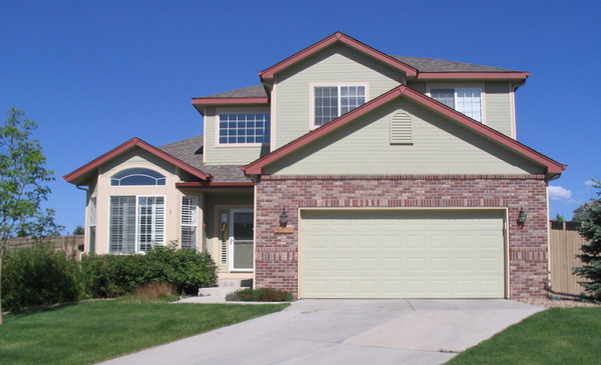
94, 74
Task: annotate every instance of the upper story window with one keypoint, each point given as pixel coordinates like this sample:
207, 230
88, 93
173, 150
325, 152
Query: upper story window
330, 102
244, 128
465, 100
137, 176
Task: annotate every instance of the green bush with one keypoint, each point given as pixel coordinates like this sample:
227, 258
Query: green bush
115, 275
260, 295
36, 276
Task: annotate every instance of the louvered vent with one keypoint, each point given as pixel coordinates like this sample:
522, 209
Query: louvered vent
400, 129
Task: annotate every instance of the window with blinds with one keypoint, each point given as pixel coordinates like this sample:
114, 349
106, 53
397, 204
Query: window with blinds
136, 223
92, 226
189, 221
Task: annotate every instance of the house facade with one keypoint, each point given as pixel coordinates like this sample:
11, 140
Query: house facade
398, 177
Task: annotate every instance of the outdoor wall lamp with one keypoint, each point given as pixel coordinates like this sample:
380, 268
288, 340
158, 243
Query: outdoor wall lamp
522, 217
283, 219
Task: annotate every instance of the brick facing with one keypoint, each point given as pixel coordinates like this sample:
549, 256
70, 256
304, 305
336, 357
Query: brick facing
276, 255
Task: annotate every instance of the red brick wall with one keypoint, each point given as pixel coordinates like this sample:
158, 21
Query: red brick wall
277, 254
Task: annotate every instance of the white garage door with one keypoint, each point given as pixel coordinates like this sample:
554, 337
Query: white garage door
402, 254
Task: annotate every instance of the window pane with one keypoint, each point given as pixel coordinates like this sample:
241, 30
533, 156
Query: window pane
122, 224
469, 102
355, 97
444, 96
243, 128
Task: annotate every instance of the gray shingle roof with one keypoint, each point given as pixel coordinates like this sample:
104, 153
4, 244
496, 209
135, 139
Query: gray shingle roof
434, 65
190, 151
247, 92
421, 64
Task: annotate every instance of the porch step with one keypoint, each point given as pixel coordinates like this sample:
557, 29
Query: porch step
225, 286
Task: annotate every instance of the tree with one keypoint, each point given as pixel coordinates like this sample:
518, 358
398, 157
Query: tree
22, 185
559, 218
590, 230
78, 231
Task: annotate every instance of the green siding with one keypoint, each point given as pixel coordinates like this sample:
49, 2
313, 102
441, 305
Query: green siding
440, 146
498, 110
230, 154
336, 64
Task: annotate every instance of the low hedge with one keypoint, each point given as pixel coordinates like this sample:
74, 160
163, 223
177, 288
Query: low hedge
35, 276
109, 276
38, 275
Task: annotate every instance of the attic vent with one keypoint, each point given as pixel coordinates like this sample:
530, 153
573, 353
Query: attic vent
400, 129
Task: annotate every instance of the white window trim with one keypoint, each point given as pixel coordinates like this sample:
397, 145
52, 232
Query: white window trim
312, 87
462, 85
238, 145
137, 232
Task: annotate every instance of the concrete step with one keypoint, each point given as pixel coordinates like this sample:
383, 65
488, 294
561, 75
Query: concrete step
217, 291
243, 283
225, 286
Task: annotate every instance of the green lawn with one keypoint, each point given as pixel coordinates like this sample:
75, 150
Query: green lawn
555, 336
86, 333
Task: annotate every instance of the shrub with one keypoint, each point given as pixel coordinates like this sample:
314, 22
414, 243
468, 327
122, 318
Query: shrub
160, 290
115, 275
260, 295
38, 275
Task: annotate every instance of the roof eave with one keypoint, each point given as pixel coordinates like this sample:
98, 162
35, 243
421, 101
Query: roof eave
473, 75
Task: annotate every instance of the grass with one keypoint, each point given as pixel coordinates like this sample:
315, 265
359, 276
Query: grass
86, 333
555, 336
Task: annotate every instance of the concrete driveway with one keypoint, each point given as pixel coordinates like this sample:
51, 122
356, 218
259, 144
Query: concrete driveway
394, 331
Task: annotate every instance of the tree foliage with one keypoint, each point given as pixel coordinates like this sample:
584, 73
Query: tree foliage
590, 230
22, 183
78, 231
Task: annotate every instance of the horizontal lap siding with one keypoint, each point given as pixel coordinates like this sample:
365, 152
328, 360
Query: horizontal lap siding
277, 254
439, 146
334, 65
498, 107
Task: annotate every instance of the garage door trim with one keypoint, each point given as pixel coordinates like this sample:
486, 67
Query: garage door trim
502, 210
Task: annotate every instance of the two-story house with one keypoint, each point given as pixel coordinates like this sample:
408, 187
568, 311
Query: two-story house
347, 173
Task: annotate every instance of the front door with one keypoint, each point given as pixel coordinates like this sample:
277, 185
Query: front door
241, 239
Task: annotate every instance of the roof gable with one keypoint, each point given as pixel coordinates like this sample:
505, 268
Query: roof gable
551, 166
337, 37
75, 176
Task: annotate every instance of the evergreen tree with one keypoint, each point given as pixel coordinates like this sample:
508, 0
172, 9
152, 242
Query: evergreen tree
590, 229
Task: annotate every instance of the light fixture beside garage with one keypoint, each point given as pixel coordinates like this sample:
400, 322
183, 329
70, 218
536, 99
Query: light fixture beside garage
522, 217
283, 228
283, 219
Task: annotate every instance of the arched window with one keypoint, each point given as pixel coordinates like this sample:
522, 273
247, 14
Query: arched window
137, 176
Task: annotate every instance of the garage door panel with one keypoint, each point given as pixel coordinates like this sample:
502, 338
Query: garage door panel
402, 254
366, 242
415, 241
341, 242
391, 242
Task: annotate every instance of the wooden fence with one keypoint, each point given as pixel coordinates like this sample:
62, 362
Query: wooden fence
564, 245
72, 245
